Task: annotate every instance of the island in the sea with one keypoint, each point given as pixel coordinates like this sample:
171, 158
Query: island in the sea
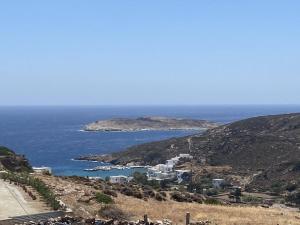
149, 123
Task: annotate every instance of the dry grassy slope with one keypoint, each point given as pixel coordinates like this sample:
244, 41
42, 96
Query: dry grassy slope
221, 215
267, 143
71, 190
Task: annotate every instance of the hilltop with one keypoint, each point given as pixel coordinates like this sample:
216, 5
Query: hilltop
148, 123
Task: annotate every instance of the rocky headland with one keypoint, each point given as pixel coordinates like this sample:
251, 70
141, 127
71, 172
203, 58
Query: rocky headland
11, 161
148, 123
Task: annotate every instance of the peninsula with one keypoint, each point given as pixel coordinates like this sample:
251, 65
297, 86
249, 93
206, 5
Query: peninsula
149, 123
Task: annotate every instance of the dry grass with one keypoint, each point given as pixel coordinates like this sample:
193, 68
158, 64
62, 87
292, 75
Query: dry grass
70, 192
221, 215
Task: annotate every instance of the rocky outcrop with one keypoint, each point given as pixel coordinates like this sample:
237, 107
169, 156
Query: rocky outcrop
9, 160
148, 123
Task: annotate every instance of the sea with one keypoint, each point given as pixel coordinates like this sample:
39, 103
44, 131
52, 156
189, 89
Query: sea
53, 135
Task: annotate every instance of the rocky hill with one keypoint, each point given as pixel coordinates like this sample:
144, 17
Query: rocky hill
148, 123
267, 147
9, 160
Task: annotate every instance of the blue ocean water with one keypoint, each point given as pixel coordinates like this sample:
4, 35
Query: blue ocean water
52, 136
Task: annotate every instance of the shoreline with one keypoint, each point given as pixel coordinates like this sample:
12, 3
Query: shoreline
144, 130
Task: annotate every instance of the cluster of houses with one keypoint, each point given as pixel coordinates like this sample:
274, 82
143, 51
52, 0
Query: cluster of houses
161, 171
167, 171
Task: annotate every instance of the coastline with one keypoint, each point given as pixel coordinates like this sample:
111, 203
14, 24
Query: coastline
145, 130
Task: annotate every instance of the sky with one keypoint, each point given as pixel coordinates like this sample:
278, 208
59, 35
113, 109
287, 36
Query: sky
154, 52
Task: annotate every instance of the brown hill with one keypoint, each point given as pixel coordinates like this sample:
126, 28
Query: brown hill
268, 146
148, 123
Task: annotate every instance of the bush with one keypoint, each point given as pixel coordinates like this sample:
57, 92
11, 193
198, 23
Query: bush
212, 201
103, 198
294, 197
296, 167
127, 191
181, 197
37, 184
110, 192
291, 187
197, 198
159, 197
112, 212
251, 199
149, 193
140, 178
163, 193
212, 191
5, 151
276, 187
138, 194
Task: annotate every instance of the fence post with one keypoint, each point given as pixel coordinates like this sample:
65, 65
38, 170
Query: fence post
187, 218
146, 219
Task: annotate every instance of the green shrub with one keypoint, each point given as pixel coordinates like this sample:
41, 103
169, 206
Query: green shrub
251, 199
110, 192
37, 184
212, 201
5, 151
103, 198
291, 187
112, 212
294, 197
141, 178
212, 191
277, 187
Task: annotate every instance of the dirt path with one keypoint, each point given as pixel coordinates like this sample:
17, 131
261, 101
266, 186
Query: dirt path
15, 202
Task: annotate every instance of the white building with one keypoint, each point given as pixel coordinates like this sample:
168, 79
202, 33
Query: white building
164, 168
42, 169
166, 171
175, 159
185, 156
119, 179
170, 162
160, 172
217, 183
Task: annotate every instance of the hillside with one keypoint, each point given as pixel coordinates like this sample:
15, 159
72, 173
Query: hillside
9, 160
268, 146
148, 123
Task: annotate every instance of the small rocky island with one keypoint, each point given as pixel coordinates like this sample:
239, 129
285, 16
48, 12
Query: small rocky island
148, 123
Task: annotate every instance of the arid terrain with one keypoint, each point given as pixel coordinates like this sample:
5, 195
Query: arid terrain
148, 123
78, 195
265, 149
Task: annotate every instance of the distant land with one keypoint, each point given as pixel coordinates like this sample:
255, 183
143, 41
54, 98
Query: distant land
265, 149
149, 123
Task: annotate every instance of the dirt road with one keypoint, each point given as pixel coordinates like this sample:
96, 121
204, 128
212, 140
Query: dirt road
15, 202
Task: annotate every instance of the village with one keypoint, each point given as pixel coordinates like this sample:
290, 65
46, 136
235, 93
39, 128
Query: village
158, 173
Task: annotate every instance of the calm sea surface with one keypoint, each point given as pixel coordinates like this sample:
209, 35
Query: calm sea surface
52, 136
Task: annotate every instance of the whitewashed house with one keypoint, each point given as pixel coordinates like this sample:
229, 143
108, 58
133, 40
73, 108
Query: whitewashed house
119, 179
42, 169
185, 156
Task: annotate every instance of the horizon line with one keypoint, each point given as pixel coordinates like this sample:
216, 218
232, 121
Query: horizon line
150, 105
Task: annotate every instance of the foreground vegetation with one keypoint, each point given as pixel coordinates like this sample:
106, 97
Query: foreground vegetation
37, 184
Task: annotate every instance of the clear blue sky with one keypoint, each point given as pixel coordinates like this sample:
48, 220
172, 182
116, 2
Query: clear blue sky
149, 52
